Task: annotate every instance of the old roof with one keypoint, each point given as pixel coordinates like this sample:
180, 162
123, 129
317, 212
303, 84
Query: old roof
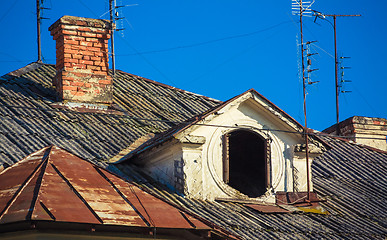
55, 185
31, 118
350, 177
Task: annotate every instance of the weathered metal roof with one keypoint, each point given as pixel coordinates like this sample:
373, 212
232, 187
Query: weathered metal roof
31, 118
55, 185
352, 179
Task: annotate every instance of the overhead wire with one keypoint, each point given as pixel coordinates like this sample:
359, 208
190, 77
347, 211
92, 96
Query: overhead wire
147, 61
240, 53
187, 46
209, 41
9, 9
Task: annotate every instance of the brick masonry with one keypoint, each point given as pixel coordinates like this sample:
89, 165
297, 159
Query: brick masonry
364, 130
82, 59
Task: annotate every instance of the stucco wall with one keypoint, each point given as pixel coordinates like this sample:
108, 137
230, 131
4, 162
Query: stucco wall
201, 160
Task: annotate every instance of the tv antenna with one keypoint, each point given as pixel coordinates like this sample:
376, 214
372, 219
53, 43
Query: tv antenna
302, 8
115, 16
342, 79
38, 23
112, 11
337, 86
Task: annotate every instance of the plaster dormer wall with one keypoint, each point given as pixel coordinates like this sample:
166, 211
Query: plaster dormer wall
192, 163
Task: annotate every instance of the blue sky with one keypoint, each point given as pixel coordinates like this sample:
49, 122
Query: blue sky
221, 48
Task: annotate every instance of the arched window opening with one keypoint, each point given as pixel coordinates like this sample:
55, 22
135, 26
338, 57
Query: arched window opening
245, 166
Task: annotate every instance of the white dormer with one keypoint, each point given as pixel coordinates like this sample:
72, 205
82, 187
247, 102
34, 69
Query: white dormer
245, 149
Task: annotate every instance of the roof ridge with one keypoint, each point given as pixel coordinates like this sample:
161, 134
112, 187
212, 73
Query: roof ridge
24, 184
171, 87
38, 184
29, 67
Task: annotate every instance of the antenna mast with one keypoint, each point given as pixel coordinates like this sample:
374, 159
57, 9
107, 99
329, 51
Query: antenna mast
38, 30
337, 86
112, 7
304, 95
300, 7
39, 22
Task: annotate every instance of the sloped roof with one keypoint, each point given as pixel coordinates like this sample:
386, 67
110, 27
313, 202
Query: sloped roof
55, 185
350, 177
31, 118
179, 128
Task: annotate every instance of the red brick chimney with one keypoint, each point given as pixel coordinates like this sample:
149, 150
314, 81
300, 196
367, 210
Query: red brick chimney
82, 59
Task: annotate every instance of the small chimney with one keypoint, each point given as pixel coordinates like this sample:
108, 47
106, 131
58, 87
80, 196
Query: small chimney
82, 60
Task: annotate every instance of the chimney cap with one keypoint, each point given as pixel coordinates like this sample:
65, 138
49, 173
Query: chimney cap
81, 21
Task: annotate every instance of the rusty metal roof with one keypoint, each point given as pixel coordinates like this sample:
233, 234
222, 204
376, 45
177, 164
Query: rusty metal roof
55, 185
352, 178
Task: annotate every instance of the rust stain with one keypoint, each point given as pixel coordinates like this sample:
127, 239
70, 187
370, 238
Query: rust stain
55, 185
267, 208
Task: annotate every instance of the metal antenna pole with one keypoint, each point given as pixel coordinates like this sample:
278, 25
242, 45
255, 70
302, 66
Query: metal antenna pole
336, 65
38, 30
304, 95
336, 79
111, 8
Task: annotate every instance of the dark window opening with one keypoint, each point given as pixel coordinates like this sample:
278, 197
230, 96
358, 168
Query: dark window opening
246, 162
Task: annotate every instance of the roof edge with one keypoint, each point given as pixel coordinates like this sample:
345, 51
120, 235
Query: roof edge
29, 67
170, 87
174, 131
354, 143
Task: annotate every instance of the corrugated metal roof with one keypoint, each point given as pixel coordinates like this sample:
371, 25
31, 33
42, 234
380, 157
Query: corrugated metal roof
352, 178
54, 185
28, 113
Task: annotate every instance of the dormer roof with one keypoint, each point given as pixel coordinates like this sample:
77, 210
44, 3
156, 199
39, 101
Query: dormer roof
267, 106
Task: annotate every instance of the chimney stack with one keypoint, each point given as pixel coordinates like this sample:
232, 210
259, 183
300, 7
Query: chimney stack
82, 60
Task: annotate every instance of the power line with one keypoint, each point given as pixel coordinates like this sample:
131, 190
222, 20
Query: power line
207, 42
85, 5
240, 53
148, 62
9, 9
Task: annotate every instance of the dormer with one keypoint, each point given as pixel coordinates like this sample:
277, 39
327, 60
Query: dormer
246, 148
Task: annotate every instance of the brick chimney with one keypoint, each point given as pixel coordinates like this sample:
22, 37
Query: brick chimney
82, 60
364, 130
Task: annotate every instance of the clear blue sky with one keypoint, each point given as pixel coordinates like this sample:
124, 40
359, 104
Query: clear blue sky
221, 48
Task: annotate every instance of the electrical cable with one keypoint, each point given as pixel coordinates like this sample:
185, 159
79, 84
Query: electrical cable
9, 9
208, 42
147, 61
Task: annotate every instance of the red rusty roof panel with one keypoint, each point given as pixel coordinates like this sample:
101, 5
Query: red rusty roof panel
58, 200
23, 201
95, 190
267, 208
155, 211
55, 185
12, 179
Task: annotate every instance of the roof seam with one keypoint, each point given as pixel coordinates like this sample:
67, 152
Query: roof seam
77, 193
38, 184
123, 196
17, 193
